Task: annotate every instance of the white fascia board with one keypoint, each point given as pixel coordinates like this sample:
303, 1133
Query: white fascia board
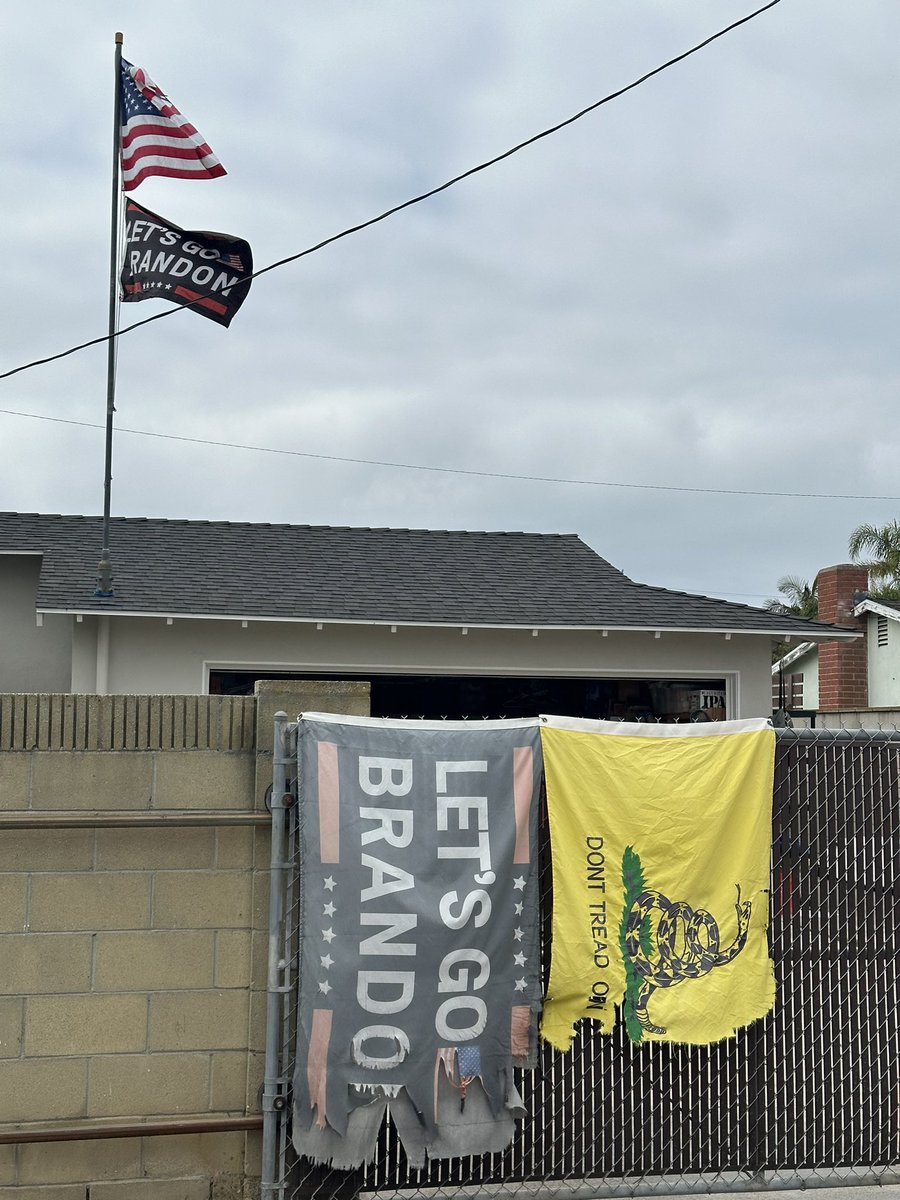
322, 620
880, 610
792, 656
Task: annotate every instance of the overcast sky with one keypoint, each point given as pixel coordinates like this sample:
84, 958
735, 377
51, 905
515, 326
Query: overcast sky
693, 287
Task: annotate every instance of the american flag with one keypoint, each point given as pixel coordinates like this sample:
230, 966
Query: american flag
156, 138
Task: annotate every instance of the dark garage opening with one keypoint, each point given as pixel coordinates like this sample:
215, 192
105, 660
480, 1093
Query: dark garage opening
454, 697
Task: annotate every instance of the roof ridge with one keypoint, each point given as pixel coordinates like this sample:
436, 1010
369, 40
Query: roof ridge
206, 522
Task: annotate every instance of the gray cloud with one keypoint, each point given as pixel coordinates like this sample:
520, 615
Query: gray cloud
693, 286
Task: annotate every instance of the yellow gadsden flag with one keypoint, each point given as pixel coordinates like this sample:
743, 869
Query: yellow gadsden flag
660, 838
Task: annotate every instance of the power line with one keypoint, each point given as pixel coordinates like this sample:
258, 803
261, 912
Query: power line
38, 362
406, 466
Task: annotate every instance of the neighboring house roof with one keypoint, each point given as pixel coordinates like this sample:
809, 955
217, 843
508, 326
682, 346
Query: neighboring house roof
381, 576
793, 656
881, 608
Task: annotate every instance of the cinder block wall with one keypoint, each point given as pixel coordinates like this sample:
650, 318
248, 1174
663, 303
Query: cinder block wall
133, 960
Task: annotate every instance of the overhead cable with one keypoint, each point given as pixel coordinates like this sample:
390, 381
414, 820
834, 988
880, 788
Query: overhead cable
470, 471
37, 362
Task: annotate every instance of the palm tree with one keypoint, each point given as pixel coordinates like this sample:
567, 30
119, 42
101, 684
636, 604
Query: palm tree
883, 543
799, 598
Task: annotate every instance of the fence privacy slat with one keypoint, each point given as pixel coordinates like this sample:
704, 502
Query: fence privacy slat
56, 721
808, 1093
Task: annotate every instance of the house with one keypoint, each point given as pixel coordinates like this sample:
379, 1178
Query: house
861, 676
443, 623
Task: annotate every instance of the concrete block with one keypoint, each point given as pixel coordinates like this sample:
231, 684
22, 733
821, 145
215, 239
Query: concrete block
257, 1035
194, 1154
153, 961
260, 915
263, 781
14, 772
233, 958
201, 900
234, 848
61, 1191
232, 1187
153, 1189
42, 1089
40, 963
204, 779
91, 779
228, 1086
94, 900
294, 696
262, 847
150, 849
259, 958
253, 1155
57, 1025
256, 1072
10, 1027
150, 1084
47, 849
80, 1162
211, 1020
7, 1164
12, 903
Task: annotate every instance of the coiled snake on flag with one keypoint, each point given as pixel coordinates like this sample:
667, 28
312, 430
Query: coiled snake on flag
699, 952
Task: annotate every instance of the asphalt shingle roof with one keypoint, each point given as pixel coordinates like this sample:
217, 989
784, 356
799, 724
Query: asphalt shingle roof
330, 573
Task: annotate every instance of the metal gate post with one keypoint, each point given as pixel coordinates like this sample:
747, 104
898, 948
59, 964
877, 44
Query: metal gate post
274, 1098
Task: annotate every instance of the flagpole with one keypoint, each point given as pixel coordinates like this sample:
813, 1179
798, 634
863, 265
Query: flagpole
104, 567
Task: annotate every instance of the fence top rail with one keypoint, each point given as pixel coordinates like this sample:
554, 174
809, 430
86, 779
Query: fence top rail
843, 736
786, 736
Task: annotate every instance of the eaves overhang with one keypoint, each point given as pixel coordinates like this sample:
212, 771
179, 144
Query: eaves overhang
792, 656
257, 619
880, 610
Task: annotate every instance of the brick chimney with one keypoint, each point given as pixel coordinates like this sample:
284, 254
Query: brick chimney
843, 666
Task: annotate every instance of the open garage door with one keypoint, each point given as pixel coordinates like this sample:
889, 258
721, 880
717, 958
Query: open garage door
457, 697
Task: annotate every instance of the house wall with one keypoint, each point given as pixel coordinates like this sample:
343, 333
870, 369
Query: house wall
880, 719
884, 664
32, 658
148, 655
808, 667
134, 960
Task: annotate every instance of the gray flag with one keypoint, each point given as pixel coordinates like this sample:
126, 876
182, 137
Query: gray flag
419, 971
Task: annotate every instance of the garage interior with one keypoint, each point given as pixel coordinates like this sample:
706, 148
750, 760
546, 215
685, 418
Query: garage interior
461, 697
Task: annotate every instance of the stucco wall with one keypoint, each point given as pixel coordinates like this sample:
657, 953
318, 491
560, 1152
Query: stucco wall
808, 667
149, 655
33, 658
884, 664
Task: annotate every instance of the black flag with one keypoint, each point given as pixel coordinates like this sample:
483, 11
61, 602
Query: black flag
209, 271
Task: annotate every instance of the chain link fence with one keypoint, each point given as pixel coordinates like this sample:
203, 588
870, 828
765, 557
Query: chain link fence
808, 1096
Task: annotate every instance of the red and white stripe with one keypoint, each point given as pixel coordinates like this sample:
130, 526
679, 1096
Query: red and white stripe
163, 144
